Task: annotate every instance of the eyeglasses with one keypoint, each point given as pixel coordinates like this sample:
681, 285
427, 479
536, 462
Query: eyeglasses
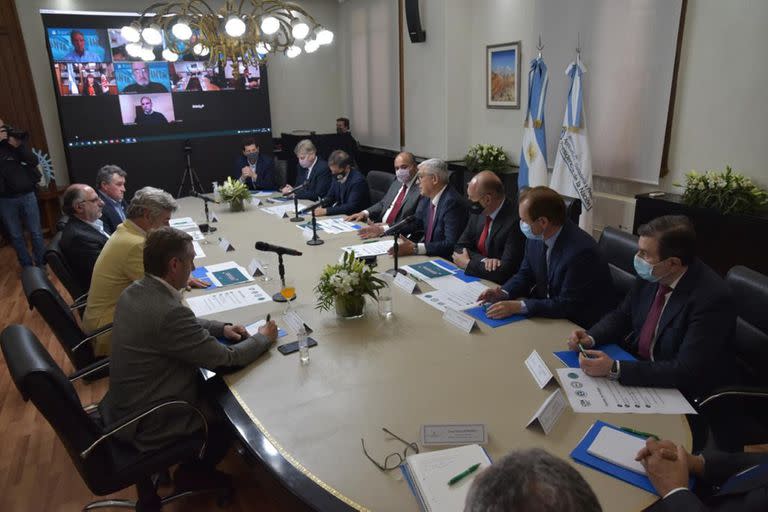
94, 200
393, 460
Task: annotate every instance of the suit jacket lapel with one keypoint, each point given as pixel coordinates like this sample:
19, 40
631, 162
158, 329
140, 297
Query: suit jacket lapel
678, 299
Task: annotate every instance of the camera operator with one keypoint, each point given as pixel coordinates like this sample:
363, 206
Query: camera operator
18, 203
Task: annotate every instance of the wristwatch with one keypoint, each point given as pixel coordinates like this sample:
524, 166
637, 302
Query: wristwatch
615, 371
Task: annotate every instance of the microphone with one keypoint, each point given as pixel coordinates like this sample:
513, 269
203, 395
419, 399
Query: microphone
295, 189
395, 229
264, 246
326, 201
204, 197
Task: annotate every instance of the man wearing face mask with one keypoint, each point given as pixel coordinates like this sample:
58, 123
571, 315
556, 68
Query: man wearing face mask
562, 274
253, 168
492, 244
312, 173
399, 202
349, 190
676, 319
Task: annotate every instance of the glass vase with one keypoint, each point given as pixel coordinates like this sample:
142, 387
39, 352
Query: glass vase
350, 306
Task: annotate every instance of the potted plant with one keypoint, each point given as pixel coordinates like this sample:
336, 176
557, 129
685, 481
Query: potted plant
481, 157
345, 285
235, 193
728, 192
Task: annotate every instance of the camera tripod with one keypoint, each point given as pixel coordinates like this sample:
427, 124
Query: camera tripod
189, 173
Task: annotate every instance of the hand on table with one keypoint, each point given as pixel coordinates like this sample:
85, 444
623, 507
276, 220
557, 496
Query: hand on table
492, 295
235, 332
504, 309
491, 264
404, 247
371, 231
667, 467
461, 259
286, 189
598, 365
579, 336
321, 212
356, 217
197, 283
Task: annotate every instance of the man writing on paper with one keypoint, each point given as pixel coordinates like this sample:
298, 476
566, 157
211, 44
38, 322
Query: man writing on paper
676, 319
83, 237
253, 168
312, 172
158, 346
440, 216
492, 245
562, 274
735, 482
399, 202
349, 190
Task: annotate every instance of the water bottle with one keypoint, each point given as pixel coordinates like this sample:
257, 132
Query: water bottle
216, 195
303, 346
385, 302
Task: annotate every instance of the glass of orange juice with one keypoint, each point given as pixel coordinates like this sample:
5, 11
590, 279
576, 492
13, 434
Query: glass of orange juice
288, 291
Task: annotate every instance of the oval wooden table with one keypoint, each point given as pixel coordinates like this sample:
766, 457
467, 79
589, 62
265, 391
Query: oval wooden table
305, 422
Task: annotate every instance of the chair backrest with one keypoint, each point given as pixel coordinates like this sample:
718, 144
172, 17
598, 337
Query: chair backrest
39, 379
378, 184
749, 291
618, 249
573, 208
281, 173
45, 298
58, 263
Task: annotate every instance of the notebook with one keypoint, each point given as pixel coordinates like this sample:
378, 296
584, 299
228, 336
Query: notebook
618, 447
571, 357
428, 475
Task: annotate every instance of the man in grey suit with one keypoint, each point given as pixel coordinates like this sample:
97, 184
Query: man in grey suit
398, 203
158, 346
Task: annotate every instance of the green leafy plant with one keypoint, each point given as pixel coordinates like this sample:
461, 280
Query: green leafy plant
481, 157
350, 277
726, 191
235, 192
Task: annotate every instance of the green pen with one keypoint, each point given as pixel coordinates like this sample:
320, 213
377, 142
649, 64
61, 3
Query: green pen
639, 433
463, 474
583, 352
370, 241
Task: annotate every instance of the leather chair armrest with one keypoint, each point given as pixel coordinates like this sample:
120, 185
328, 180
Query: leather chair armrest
90, 369
93, 335
724, 394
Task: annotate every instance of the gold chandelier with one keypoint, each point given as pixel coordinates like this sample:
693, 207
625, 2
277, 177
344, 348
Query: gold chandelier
242, 30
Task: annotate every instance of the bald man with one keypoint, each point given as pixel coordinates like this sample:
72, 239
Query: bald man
83, 236
492, 245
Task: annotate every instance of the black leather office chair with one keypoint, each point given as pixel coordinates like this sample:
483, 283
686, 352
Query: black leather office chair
105, 464
43, 297
572, 208
281, 173
378, 184
738, 415
58, 264
62, 222
619, 249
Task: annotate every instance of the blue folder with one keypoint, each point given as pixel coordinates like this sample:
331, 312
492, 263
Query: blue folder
571, 357
202, 274
457, 272
478, 312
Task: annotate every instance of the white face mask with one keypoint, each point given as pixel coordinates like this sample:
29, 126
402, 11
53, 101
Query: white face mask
403, 175
305, 162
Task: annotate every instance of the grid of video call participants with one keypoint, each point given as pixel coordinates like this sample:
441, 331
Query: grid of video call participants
94, 62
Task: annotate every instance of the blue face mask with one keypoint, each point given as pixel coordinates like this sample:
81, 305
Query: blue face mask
645, 269
529, 234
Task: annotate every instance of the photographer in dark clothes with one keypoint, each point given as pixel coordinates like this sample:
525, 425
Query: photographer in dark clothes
18, 203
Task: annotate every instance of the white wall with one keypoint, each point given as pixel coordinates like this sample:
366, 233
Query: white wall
304, 92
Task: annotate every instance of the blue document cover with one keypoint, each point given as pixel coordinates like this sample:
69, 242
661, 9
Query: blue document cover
478, 312
571, 357
457, 272
202, 274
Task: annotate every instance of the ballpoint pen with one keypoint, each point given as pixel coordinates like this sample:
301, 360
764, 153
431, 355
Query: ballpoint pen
583, 352
638, 432
464, 474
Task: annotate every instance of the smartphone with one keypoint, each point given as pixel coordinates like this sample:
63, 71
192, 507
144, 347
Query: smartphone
290, 348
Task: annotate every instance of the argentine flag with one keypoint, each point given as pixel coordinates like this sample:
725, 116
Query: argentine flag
533, 155
572, 174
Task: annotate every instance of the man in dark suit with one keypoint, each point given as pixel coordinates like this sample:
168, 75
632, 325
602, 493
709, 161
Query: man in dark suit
441, 214
562, 274
254, 169
312, 172
349, 190
399, 202
734, 482
110, 182
676, 319
492, 245
83, 236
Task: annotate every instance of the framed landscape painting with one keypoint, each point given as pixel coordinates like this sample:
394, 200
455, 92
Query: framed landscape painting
502, 69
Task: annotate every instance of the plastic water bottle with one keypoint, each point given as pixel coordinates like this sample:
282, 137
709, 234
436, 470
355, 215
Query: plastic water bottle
385, 302
216, 191
303, 346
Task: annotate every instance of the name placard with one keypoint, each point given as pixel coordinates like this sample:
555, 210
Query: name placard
225, 246
214, 217
405, 283
538, 369
461, 321
255, 268
549, 412
255, 201
453, 434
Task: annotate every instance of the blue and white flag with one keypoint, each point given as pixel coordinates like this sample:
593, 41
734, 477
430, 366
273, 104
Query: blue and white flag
572, 173
533, 155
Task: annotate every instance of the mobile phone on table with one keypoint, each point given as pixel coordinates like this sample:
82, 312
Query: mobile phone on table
290, 348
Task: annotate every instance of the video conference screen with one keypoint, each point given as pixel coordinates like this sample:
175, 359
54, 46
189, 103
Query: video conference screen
119, 109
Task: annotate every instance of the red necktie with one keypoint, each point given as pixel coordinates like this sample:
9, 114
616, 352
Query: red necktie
651, 321
396, 208
430, 222
484, 236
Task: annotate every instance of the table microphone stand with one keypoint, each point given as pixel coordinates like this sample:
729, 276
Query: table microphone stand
394, 271
278, 297
315, 239
211, 229
296, 217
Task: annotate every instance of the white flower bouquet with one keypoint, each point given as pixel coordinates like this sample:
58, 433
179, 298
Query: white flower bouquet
482, 157
350, 279
728, 192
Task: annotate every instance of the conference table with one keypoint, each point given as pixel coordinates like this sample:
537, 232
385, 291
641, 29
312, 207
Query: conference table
305, 423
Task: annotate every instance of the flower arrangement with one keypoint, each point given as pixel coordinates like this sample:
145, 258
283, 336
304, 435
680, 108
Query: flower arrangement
728, 192
346, 284
235, 193
481, 157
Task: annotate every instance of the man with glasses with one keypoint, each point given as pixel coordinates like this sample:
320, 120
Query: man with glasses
143, 85
84, 236
399, 202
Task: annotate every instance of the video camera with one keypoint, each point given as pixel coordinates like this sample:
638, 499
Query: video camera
14, 132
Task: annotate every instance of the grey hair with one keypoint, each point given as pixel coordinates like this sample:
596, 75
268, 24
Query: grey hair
305, 146
525, 480
150, 200
437, 167
104, 175
72, 196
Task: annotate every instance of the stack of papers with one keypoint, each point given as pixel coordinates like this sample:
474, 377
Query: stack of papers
370, 249
331, 226
223, 274
282, 210
433, 269
227, 300
262, 193
188, 225
452, 292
